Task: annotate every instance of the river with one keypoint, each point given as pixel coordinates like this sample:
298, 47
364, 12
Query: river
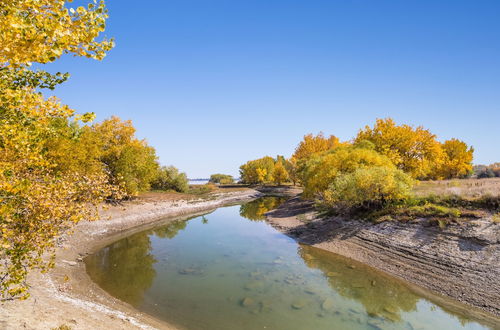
229, 269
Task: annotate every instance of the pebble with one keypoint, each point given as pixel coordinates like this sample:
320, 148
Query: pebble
246, 302
327, 304
332, 274
254, 285
299, 304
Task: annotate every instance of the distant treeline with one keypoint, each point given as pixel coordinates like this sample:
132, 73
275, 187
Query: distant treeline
487, 171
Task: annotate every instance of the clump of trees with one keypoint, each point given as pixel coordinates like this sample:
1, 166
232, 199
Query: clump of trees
375, 169
221, 178
487, 171
265, 170
417, 151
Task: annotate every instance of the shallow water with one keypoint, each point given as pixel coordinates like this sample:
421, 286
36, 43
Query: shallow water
231, 270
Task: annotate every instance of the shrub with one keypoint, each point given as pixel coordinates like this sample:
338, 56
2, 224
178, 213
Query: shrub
221, 178
169, 178
367, 189
321, 170
202, 189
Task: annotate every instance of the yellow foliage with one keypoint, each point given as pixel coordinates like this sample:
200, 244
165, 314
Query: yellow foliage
132, 164
311, 145
413, 150
280, 173
321, 170
367, 188
258, 171
43, 30
38, 198
457, 160
44, 186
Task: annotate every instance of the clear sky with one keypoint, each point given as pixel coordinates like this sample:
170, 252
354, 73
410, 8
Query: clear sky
212, 84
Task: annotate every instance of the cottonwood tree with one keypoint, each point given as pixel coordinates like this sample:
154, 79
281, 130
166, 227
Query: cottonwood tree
40, 198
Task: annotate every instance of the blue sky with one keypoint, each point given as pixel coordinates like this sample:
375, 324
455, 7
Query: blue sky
212, 84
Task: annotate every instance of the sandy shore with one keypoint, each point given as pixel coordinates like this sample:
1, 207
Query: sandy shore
67, 296
461, 262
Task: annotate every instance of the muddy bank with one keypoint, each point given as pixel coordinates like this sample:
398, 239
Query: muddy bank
67, 296
461, 261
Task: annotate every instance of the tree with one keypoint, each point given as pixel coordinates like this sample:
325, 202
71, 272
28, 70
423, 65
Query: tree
41, 31
318, 173
413, 150
291, 169
311, 145
221, 178
169, 178
40, 195
258, 171
367, 188
131, 162
457, 162
280, 173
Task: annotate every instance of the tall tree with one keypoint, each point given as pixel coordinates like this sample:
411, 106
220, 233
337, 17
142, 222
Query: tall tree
39, 197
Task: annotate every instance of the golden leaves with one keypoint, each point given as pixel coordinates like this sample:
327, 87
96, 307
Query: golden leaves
43, 30
42, 196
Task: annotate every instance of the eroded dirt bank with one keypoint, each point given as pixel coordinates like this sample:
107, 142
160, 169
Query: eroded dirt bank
67, 296
461, 261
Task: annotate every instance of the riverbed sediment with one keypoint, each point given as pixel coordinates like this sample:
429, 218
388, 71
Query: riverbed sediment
461, 261
66, 296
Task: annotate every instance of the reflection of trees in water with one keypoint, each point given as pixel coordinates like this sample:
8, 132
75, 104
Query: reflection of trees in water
256, 209
171, 230
125, 268
378, 293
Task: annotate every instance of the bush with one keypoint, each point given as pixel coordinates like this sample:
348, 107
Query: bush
169, 178
221, 178
202, 189
368, 188
321, 170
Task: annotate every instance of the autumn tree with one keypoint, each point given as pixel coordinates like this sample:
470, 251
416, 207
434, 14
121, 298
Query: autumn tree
413, 150
457, 160
40, 197
312, 144
221, 178
367, 188
258, 171
280, 173
131, 162
319, 172
169, 178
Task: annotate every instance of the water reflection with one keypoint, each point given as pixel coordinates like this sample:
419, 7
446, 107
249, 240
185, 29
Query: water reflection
256, 209
380, 295
171, 230
383, 297
125, 268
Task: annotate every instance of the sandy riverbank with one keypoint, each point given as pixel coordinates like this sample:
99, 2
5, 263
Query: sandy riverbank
67, 296
461, 262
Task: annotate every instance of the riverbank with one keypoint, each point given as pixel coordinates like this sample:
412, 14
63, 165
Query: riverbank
460, 261
66, 296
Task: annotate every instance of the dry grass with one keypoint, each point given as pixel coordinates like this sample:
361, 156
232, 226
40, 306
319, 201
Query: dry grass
154, 196
468, 188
